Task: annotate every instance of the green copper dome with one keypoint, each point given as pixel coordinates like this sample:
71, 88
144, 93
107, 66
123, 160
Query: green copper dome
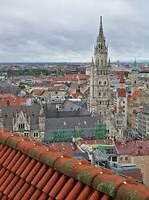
135, 69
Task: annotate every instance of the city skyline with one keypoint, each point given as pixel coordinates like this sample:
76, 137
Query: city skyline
65, 31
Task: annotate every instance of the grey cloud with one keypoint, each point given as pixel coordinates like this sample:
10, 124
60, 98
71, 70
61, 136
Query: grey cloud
66, 30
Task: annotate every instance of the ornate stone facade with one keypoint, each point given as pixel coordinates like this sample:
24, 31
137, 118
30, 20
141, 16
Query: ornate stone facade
29, 121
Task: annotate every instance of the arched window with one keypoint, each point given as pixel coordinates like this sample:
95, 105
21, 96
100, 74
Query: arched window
99, 82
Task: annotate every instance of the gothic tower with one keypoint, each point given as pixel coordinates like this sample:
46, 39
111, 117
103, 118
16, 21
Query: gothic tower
134, 78
100, 97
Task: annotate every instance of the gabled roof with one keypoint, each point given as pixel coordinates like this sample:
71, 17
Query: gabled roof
31, 170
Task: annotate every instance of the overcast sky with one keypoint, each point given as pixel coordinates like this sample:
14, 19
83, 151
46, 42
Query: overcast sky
66, 30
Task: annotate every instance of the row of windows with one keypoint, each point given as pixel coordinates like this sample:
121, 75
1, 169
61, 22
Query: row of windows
124, 158
104, 102
36, 134
102, 83
21, 126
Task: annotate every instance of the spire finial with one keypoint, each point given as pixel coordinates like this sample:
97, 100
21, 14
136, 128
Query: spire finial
135, 62
101, 27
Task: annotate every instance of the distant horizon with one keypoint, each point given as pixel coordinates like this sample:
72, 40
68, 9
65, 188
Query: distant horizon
73, 62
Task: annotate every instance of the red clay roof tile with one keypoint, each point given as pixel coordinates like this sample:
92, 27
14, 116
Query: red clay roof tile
9, 158
39, 175
7, 181
45, 179
22, 191
19, 162
28, 169
11, 185
51, 183
43, 196
33, 172
29, 193
66, 189
85, 193
75, 191
94, 196
14, 160
22, 166
36, 195
57, 183
16, 189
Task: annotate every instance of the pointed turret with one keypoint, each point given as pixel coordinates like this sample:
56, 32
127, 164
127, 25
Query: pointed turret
135, 67
109, 62
101, 27
101, 44
101, 37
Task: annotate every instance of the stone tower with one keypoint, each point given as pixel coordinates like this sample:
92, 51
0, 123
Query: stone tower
100, 97
134, 78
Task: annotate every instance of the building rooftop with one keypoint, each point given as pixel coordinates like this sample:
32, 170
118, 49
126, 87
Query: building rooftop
31, 170
135, 148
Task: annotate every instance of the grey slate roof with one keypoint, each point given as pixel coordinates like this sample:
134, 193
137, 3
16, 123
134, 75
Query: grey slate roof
53, 124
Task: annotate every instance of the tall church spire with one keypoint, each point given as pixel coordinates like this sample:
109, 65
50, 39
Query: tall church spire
101, 38
101, 27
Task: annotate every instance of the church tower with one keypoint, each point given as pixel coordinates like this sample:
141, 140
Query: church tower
121, 106
134, 78
100, 97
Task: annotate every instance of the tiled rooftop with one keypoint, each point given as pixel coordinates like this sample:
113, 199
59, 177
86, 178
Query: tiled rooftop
134, 148
31, 170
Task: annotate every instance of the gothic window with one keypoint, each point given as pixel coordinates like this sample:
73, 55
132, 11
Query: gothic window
21, 126
36, 134
101, 72
26, 134
101, 62
105, 83
99, 82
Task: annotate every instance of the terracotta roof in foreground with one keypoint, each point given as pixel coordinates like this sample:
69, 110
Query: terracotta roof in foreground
31, 170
